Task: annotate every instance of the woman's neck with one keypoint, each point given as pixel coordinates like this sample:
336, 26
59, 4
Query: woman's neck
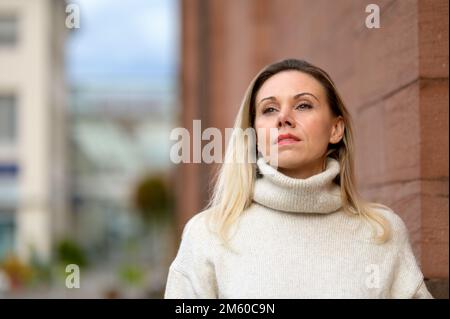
304, 171
315, 194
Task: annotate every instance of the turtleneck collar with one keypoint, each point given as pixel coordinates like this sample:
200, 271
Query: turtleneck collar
315, 194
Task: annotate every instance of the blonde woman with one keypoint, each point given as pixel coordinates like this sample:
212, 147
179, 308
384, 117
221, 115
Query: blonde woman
297, 229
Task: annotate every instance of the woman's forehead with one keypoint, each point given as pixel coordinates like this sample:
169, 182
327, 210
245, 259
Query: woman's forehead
289, 83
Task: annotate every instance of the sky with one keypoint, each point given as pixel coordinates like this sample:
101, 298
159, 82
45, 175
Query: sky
133, 40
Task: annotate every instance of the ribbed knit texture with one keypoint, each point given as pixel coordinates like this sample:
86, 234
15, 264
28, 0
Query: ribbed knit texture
316, 194
295, 241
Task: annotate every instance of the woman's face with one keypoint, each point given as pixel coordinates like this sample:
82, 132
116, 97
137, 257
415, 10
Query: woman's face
293, 102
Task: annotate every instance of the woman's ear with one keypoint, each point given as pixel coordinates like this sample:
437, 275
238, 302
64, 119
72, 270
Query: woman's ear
337, 130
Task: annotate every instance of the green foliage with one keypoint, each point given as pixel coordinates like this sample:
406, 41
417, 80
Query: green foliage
41, 270
18, 272
69, 252
132, 274
153, 199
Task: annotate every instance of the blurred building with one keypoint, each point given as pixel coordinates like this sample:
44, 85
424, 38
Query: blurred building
394, 81
33, 196
118, 137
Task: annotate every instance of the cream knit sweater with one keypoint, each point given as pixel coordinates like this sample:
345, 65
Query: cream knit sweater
295, 241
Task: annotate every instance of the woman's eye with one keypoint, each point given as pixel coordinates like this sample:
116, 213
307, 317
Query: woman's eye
268, 110
303, 106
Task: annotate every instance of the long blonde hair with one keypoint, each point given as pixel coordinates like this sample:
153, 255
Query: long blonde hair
233, 189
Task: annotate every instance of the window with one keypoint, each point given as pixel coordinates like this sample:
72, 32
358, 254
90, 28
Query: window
7, 229
7, 119
8, 30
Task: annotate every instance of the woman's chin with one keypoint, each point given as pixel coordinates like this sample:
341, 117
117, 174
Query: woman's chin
290, 162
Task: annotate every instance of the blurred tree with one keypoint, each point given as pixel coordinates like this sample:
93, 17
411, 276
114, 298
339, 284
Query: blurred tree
69, 252
132, 274
18, 272
153, 199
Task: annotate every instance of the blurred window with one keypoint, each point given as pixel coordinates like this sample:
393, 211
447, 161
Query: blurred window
7, 119
8, 30
6, 232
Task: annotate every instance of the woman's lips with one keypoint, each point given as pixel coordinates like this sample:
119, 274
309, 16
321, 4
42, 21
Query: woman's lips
287, 141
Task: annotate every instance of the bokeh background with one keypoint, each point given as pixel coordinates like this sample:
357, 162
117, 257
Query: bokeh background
86, 114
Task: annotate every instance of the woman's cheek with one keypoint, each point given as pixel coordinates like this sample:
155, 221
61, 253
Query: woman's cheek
319, 141
264, 139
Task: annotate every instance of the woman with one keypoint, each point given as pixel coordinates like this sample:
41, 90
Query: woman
297, 228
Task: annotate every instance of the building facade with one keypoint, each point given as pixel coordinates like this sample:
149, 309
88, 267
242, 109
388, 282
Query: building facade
33, 179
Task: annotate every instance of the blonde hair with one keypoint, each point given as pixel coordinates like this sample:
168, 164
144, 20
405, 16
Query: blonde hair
233, 189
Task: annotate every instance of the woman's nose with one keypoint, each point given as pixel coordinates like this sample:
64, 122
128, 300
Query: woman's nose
285, 118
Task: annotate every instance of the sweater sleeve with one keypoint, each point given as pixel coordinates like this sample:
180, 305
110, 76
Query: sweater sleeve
422, 292
408, 281
191, 274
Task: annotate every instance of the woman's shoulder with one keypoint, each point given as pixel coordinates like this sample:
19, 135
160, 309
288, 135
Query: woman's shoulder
398, 229
196, 226
195, 246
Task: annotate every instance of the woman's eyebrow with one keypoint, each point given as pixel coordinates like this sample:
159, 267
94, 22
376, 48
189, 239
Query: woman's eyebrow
272, 98
305, 93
